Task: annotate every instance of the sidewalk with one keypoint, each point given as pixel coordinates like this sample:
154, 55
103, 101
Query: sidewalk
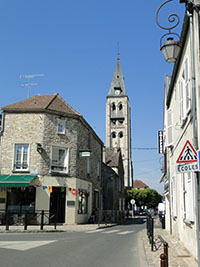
178, 255
51, 228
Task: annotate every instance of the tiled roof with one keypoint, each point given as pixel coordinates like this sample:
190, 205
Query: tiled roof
140, 184
112, 156
42, 102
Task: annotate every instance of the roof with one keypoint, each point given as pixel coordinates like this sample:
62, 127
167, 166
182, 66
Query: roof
139, 184
42, 103
112, 156
117, 81
48, 103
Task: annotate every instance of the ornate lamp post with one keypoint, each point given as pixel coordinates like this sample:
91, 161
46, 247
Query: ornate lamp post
170, 48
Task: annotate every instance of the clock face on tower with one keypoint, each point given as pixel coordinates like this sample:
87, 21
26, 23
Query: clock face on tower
117, 92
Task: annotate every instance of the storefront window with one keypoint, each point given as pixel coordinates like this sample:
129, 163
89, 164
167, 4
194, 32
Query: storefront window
83, 203
21, 199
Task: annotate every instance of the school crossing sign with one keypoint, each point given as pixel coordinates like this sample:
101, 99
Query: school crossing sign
188, 159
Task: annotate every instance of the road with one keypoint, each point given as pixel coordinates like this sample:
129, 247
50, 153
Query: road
118, 246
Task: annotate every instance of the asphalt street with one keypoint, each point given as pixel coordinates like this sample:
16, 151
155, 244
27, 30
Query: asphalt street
118, 246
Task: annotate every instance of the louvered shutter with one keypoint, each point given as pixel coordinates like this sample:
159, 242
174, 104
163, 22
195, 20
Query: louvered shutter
190, 197
169, 127
187, 86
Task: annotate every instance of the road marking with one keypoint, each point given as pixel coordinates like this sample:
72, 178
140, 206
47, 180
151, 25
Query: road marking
104, 231
95, 231
126, 232
24, 245
111, 231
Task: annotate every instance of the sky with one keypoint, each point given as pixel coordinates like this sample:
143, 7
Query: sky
74, 43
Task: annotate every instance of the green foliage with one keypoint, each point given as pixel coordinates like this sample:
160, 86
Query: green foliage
144, 197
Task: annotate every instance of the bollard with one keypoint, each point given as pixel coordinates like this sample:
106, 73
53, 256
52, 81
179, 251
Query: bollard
162, 260
7, 220
56, 218
165, 245
25, 220
152, 233
42, 220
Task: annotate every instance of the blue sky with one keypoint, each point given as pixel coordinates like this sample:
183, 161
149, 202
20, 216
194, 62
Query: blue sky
74, 43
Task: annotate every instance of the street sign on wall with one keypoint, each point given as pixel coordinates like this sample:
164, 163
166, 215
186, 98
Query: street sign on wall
160, 142
187, 160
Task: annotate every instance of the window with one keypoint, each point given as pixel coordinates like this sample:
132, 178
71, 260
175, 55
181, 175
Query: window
113, 122
83, 203
169, 127
181, 106
113, 135
121, 121
120, 106
88, 166
113, 107
173, 196
61, 126
190, 198
120, 134
98, 168
59, 161
21, 157
184, 196
187, 86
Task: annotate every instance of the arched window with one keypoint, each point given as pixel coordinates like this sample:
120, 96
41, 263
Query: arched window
113, 134
120, 106
120, 134
121, 121
113, 107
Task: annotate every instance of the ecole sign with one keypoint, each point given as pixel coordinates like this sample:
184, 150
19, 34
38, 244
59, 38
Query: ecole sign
187, 160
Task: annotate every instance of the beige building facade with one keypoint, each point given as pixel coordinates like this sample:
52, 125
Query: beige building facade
181, 137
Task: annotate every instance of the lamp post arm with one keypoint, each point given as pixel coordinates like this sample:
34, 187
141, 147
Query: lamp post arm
171, 18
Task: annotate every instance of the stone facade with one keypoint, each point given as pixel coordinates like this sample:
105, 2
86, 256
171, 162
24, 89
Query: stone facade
118, 122
41, 128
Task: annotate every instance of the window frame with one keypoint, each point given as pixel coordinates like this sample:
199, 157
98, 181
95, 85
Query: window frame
21, 169
62, 124
65, 163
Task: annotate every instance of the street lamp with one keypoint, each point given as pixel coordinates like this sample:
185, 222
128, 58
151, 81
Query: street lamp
170, 48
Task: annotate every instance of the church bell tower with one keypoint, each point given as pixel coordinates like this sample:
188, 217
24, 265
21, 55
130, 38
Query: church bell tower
118, 122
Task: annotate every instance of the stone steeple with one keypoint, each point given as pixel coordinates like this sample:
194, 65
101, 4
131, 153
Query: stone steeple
118, 122
117, 85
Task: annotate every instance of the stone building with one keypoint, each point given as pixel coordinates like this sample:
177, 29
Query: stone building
50, 159
113, 180
118, 122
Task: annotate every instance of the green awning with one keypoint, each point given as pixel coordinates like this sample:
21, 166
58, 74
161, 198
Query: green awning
16, 180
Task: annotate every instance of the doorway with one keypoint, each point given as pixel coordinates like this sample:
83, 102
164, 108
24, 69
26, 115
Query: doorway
57, 204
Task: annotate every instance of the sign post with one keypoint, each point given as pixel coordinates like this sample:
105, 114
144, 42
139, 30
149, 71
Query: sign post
132, 203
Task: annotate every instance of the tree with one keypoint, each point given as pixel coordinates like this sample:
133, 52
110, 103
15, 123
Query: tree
143, 197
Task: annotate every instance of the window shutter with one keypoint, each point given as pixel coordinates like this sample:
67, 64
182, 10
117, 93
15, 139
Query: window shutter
88, 165
169, 127
187, 86
183, 196
181, 106
174, 197
190, 197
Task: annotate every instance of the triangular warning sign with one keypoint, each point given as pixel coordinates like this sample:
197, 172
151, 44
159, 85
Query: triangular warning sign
188, 154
